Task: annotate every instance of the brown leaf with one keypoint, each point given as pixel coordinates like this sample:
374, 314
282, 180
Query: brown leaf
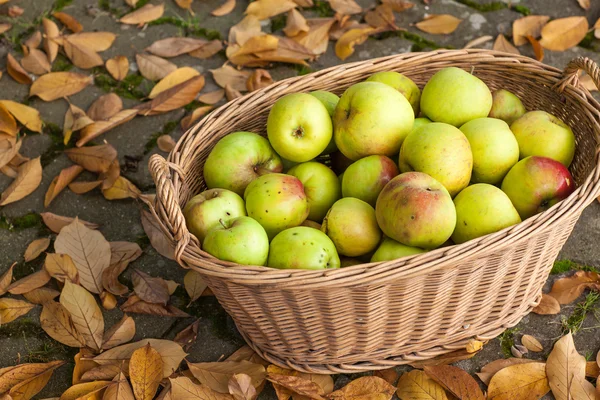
417, 385
185, 4
11, 309
81, 55
29, 177
173, 98
110, 177
136, 305
51, 32
344, 47
390, 375
264, 9
259, 79
16, 71
105, 107
86, 390
26, 380
187, 336
296, 23
566, 290
564, 367
224, 8
345, 7
36, 62
102, 372
247, 354
118, 67
41, 295
183, 388
244, 30
9, 148
150, 289
241, 388
532, 344
56, 222
592, 370
145, 372
211, 98
563, 33
538, 50
174, 78
94, 41
122, 189
55, 85
501, 44
75, 119
85, 313
399, 5
30, 282
216, 375
67, 20
231, 93
143, 15
456, 381
442, 24
110, 279
120, 333
95, 158
60, 182
208, 50
157, 238
585, 4
365, 387
5, 27
152, 67
165, 143
56, 321
6, 279
530, 25
381, 17
194, 285
519, 382
124, 252
99, 127
121, 390
15, 11
28, 116
196, 115
228, 75
548, 306
175, 46
35, 248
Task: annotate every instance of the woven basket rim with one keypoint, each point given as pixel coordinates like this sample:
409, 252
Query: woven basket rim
406, 266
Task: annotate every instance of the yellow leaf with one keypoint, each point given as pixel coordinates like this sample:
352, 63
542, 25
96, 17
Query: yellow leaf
344, 47
55, 85
118, 67
108, 300
144, 14
501, 44
11, 309
165, 143
94, 41
56, 321
592, 369
244, 30
36, 62
519, 382
198, 113
28, 116
8, 124
6, 279
530, 25
94, 158
258, 44
264, 9
538, 50
26, 380
121, 390
228, 75
86, 390
16, 71
295, 24
41, 295
51, 32
29, 282
473, 346
241, 388
224, 8
85, 313
532, 344
75, 119
564, 366
367, 387
29, 177
456, 381
122, 189
476, 43
416, 385
35, 248
317, 38
145, 372
563, 33
99, 127
216, 375
182, 388
439, 24
60, 182
81, 55
174, 78
152, 67
9, 149
121, 332
345, 7
68, 21
173, 98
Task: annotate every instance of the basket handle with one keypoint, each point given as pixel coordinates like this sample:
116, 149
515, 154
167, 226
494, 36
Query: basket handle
570, 74
165, 207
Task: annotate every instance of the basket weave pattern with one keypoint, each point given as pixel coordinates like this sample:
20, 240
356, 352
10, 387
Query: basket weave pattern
378, 315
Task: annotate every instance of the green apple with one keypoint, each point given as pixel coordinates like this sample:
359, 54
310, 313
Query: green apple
494, 147
241, 240
321, 185
204, 211
277, 202
542, 134
330, 101
535, 184
302, 248
482, 209
389, 249
239, 158
441, 151
401, 83
352, 226
416, 210
299, 127
371, 118
454, 96
506, 106
365, 178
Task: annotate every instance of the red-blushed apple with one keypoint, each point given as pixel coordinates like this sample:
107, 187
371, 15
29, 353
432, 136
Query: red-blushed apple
441, 151
239, 158
506, 106
352, 226
321, 185
204, 210
535, 184
416, 210
299, 127
277, 202
365, 178
401, 83
302, 248
330, 101
240, 240
482, 209
542, 134
389, 249
371, 118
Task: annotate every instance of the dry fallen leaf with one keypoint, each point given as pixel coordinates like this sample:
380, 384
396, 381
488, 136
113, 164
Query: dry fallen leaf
165, 143
244, 30
120, 333
175, 46
8, 124
94, 158
80, 54
296, 23
417, 385
264, 9
150, 289
41, 295
455, 381
501, 44
444, 359
68, 21
11, 309
156, 236
56, 321
345, 7
15, 11
173, 98
29, 177
121, 189
530, 25
231, 93
548, 306
96, 129
381, 17
108, 300
27, 379
247, 354
187, 336
51, 32
61, 267
538, 50
6, 279
121, 390
35, 248
439, 24
153, 67
145, 372
365, 387
143, 15
566, 290
56, 222
390, 375
592, 370
75, 119
563, 33
532, 344
208, 50
344, 47
16, 71
241, 388
519, 382
564, 367
197, 114
94, 41
86, 390
224, 8
228, 75
105, 107
216, 375
60, 182
29, 282
108, 371
36, 62
28, 116
135, 305
118, 67
5, 27
194, 285
88, 249
9, 148
585, 4
183, 388
56, 85
185, 4
174, 78
85, 312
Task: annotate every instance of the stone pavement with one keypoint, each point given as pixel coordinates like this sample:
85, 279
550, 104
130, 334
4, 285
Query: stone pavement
23, 340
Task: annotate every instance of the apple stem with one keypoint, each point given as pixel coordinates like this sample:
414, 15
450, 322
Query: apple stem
222, 223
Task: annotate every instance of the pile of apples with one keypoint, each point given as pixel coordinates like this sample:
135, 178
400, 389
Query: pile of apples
472, 164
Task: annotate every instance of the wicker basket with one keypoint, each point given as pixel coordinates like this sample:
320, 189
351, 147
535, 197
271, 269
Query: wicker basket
378, 315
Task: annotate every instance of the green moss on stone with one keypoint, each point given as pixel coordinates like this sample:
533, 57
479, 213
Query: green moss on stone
494, 6
54, 132
574, 322
561, 266
133, 87
190, 27
61, 63
278, 22
507, 341
26, 221
60, 4
322, 8
302, 69
419, 42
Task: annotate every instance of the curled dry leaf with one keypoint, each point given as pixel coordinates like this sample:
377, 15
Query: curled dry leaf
9, 148
88, 249
216, 375
33, 41
417, 385
29, 177
145, 372
56, 222
152, 67
75, 119
381, 17
61, 267
110, 177
27, 379
175, 46
567, 290
135, 305
183, 388
264, 9
212, 97
69, 21
188, 336
231, 93
174, 78
390, 375
224, 8
56, 85
173, 98
118, 67
259, 79
8, 124
227, 75
530, 25
121, 390
344, 47
563, 33
295, 23
120, 333
36, 62
548, 306
455, 381
16, 71
439, 24
143, 15
86, 390
538, 50
51, 32
345, 7
208, 50
30, 282
85, 312
6, 279
150, 289
165, 143
35, 248
80, 54
11, 309
244, 30
367, 386
156, 236
108, 300
41, 295
473, 346
196, 115
105, 107
94, 158
28, 116
519, 382
56, 321
102, 372
121, 189
564, 367
194, 285
60, 182
241, 388
99, 127
532, 344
